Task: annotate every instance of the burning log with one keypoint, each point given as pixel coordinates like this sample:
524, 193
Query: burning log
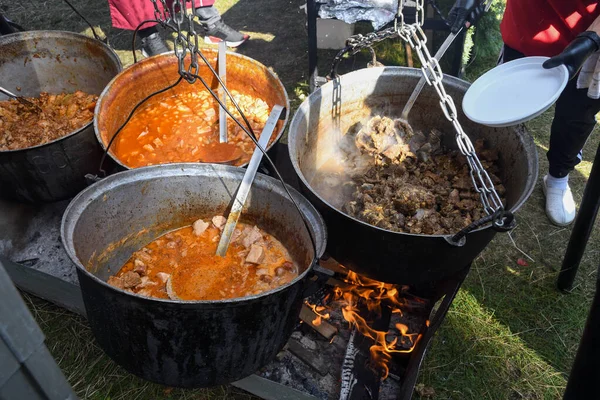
363, 369
315, 321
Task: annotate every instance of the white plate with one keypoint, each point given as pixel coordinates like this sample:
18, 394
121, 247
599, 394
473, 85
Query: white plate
514, 92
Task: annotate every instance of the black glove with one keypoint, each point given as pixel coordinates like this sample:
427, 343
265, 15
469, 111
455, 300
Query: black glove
464, 11
575, 54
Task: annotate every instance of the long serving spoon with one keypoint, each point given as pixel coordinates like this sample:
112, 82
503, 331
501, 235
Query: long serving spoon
20, 99
438, 55
222, 61
246, 184
220, 153
419, 88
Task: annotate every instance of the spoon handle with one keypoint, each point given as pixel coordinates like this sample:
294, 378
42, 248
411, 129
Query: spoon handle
222, 61
20, 99
244, 188
9, 94
417, 91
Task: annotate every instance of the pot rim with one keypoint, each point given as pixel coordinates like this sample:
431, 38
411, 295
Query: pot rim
97, 190
41, 35
304, 108
172, 55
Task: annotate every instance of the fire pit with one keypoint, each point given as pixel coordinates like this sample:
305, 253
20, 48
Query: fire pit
361, 339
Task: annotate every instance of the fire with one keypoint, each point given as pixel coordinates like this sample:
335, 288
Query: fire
318, 310
374, 295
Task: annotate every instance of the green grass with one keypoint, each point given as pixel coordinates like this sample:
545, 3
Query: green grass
508, 335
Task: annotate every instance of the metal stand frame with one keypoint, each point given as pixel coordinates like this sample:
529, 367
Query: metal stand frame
449, 289
314, 80
27, 369
584, 223
585, 373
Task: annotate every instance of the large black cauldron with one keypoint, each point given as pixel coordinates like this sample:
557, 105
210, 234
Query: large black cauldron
184, 343
54, 62
378, 253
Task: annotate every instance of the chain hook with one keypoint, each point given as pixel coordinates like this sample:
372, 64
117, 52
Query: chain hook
373, 63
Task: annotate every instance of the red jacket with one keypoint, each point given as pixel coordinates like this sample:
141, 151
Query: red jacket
128, 14
546, 27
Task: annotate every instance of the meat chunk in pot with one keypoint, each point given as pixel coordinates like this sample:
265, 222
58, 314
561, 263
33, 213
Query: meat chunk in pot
256, 254
117, 282
140, 267
251, 236
163, 276
219, 221
170, 291
199, 227
383, 136
131, 279
146, 282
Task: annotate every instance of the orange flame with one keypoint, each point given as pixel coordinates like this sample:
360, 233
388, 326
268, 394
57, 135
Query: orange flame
317, 310
373, 293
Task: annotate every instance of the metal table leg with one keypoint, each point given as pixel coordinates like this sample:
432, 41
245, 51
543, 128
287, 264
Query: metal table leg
584, 223
585, 373
311, 16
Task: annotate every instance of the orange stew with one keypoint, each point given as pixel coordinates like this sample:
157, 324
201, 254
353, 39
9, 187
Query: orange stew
182, 265
58, 115
183, 126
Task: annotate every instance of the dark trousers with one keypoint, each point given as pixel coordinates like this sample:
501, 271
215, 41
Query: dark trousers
574, 120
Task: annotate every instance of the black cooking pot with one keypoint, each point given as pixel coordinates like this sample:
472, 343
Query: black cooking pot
184, 343
54, 62
381, 254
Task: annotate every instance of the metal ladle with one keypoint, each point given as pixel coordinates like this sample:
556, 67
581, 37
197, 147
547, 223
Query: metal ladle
438, 55
20, 99
244, 188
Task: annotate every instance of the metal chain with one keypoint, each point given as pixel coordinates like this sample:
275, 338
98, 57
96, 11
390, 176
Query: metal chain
180, 20
413, 34
161, 15
177, 19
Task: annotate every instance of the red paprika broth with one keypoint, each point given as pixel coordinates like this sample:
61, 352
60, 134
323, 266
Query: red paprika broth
183, 126
183, 265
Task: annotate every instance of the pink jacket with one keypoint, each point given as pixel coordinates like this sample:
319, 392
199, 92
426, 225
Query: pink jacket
128, 14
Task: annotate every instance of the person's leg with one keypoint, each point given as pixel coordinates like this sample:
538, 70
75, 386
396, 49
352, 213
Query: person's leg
574, 120
129, 15
216, 30
152, 42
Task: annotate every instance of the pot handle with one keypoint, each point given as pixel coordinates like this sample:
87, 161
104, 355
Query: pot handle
502, 221
105, 40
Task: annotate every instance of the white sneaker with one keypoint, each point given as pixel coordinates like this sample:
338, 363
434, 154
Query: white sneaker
560, 206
